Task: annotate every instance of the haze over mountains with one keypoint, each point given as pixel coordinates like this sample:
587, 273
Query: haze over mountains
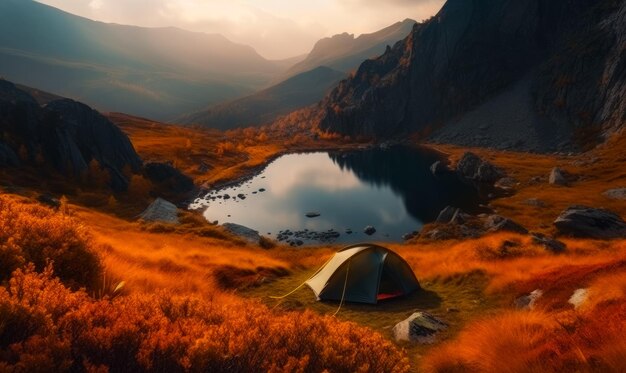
265, 106
306, 82
155, 72
511, 74
344, 52
167, 73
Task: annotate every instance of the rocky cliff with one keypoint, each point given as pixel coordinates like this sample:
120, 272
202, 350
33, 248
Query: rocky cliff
63, 134
527, 74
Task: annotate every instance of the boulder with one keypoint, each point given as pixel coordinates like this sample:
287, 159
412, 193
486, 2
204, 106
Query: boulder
50, 200
161, 211
497, 223
420, 327
506, 183
369, 230
587, 222
167, 175
548, 243
578, 297
527, 302
446, 215
472, 167
618, 193
438, 168
248, 234
535, 202
557, 177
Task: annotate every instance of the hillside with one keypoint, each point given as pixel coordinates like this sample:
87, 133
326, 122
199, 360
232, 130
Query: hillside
524, 75
154, 72
265, 106
344, 52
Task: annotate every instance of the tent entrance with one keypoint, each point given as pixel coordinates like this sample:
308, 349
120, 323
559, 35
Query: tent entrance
388, 288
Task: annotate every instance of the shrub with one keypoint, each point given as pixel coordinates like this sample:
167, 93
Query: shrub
37, 234
67, 330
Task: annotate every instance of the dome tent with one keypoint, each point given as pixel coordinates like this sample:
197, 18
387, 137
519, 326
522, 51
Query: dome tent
363, 273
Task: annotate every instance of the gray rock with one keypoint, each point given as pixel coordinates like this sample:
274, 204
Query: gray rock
312, 214
420, 327
438, 168
472, 167
581, 221
548, 243
557, 177
535, 202
460, 217
446, 215
248, 234
497, 223
618, 193
369, 230
527, 302
161, 211
506, 183
48, 199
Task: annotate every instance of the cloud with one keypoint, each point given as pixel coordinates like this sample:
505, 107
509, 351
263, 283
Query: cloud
276, 28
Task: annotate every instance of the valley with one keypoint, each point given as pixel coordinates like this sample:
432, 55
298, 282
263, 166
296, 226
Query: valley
170, 215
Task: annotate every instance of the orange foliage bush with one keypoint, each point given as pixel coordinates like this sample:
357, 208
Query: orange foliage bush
51, 326
537, 341
31, 233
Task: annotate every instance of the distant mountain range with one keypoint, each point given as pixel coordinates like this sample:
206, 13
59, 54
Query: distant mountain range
307, 82
266, 105
511, 74
344, 52
155, 72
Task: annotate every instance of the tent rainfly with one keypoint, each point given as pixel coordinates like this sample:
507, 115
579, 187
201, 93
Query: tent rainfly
363, 273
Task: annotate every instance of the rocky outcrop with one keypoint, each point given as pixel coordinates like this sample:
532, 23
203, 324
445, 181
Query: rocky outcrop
65, 134
557, 177
617, 193
161, 211
548, 243
420, 327
472, 167
453, 223
587, 222
248, 234
527, 302
497, 223
557, 67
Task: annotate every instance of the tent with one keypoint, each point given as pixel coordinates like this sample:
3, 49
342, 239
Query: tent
363, 273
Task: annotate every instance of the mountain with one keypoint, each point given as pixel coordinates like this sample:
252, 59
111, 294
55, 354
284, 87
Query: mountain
514, 74
265, 106
305, 83
63, 134
344, 52
154, 72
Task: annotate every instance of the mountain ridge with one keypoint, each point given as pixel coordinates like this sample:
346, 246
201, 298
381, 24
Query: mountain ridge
470, 53
154, 72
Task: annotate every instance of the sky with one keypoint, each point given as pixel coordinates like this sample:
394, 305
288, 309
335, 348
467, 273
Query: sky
275, 28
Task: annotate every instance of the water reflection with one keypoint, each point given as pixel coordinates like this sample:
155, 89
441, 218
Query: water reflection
392, 190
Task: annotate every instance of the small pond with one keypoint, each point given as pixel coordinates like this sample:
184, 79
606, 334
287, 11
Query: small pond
391, 190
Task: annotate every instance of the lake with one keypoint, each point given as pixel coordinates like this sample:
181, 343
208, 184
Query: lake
392, 190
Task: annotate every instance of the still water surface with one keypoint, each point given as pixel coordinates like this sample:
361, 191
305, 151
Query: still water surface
391, 189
